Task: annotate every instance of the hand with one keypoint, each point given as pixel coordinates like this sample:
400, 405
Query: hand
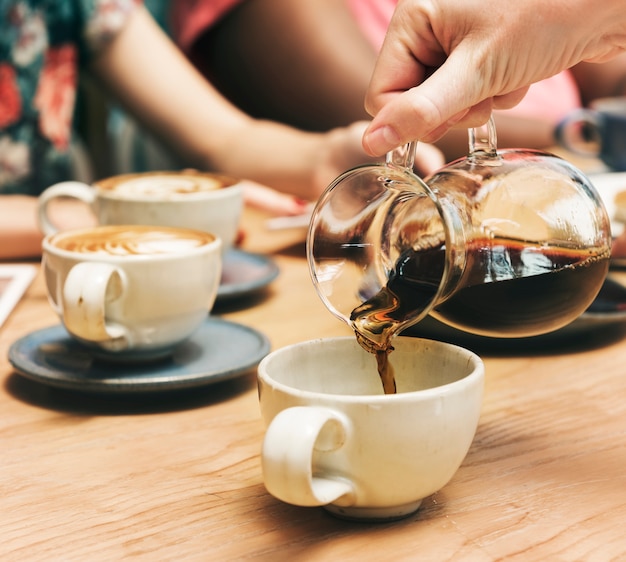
20, 236
446, 63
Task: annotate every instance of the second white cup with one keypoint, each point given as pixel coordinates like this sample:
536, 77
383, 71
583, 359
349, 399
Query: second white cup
184, 199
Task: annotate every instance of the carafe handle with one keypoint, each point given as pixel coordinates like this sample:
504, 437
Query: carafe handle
402, 156
483, 142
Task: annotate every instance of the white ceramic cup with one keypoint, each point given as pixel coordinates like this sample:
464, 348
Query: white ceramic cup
187, 199
132, 292
334, 439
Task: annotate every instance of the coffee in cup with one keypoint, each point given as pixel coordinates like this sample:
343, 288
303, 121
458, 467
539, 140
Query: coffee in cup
335, 439
132, 292
187, 199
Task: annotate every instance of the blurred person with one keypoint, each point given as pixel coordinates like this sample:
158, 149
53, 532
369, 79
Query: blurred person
44, 51
308, 64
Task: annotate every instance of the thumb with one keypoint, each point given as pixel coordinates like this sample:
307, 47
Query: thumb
452, 94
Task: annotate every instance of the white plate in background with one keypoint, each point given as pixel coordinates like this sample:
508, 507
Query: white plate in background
608, 186
14, 280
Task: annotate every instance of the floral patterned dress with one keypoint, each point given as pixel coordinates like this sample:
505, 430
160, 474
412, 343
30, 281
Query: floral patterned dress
43, 46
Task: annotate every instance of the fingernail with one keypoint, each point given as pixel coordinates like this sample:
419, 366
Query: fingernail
301, 202
380, 140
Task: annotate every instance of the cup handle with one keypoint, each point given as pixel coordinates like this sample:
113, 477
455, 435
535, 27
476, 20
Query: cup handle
579, 131
287, 457
73, 189
88, 289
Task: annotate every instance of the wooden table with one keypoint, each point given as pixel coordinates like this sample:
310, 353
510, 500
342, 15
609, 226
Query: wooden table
178, 477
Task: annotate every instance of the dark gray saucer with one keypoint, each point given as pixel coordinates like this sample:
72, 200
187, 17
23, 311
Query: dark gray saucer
217, 351
244, 273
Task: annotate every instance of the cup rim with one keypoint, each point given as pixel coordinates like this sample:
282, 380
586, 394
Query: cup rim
231, 188
213, 245
475, 376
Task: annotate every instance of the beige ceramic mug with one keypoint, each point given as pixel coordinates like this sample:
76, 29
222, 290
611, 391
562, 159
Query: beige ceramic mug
187, 199
132, 292
335, 440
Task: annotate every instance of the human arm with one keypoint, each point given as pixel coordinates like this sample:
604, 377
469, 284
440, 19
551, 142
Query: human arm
157, 85
142, 68
20, 235
446, 63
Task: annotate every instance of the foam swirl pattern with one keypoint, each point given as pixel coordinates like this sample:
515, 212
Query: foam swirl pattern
118, 242
164, 185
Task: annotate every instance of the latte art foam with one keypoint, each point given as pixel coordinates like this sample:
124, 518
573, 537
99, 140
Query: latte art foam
131, 241
162, 185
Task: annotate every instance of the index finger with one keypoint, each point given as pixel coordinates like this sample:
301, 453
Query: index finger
426, 111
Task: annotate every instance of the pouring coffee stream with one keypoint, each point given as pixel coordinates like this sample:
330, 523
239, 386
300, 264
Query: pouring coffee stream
508, 243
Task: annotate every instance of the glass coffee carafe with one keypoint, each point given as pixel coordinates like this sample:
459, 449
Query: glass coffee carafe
509, 243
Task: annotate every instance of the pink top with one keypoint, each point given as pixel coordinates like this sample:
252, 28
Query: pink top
549, 99
191, 18
373, 17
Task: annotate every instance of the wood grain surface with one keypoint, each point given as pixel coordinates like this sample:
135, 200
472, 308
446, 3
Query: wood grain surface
177, 476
